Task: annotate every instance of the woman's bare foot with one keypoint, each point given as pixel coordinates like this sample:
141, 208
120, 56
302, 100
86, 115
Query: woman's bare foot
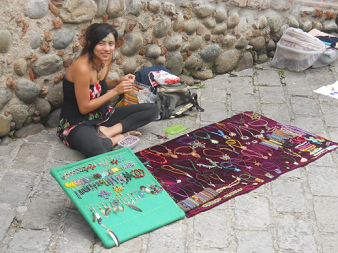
116, 139
135, 133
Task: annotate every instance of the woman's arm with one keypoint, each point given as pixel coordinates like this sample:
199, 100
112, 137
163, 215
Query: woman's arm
82, 83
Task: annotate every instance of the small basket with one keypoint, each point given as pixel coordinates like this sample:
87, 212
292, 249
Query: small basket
129, 141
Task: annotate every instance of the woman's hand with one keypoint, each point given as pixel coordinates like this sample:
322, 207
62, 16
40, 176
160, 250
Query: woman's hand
128, 78
124, 86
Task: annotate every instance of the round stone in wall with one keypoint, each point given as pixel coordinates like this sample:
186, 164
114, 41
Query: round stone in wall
175, 64
5, 96
153, 51
154, 6
5, 40
27, 91
173, 42
36, 40
44, 107
227, 61
162, 28
37, 9
221, 15
211, 52
20, 67
190, 26
47, 64
203, 11
132, 44
78, 11
63, 38
191, 62
55, 96
5, 125
19, 113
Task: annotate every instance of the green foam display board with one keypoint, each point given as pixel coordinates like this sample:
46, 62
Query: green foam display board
157, 209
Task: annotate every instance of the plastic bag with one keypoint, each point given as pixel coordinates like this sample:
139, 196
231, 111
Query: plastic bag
297, 50
162, 77
146, 96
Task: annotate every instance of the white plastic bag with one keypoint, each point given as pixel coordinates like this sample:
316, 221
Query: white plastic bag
162, 77
297, 50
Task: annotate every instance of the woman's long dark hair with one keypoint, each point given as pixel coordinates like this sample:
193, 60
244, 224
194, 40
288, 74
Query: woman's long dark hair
94, 34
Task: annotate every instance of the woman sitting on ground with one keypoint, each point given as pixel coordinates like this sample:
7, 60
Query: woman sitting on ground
87, 122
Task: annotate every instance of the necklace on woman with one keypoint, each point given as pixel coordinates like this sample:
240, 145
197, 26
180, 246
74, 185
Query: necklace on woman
98, 69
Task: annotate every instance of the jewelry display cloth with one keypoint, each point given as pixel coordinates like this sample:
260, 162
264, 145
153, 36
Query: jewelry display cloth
215, 163
100, 199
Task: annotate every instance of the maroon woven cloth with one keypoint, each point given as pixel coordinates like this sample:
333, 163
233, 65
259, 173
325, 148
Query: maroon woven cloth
229, 158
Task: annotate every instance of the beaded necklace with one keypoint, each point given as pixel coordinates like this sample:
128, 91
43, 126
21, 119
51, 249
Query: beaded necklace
192, 153
169, 153
98, 69
205, 179
218, 132
205, 137
252, 153
146, 153
224, 128
192, 166
270, 166
174, 170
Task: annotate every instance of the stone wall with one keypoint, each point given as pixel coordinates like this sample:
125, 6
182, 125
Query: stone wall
194, 39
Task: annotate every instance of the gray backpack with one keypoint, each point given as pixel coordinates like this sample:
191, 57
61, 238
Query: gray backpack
175, 100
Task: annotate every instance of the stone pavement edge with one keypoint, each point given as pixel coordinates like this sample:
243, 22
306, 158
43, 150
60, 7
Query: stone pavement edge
298, 212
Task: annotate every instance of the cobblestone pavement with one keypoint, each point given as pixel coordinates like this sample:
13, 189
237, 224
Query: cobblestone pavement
298, 212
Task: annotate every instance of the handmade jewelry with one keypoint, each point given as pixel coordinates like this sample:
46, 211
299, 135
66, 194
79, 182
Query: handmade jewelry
137, 173
176, 190
249, 159
206, 137
240, 121
224, 128
205, 179
252, 153
195, 182
168, 175
174, 170
229, 166
224, 146
145, 153
235, 182
212, 163
253, 115
192, 166
213, 175
240, 163
192, 153
235, 143
98, 69
169, 153
246, 177
218, 152
270, 166
216, 131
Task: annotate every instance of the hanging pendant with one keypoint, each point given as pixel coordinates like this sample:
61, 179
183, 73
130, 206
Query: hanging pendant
114, 237
303, 160
99, 76
214, 141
